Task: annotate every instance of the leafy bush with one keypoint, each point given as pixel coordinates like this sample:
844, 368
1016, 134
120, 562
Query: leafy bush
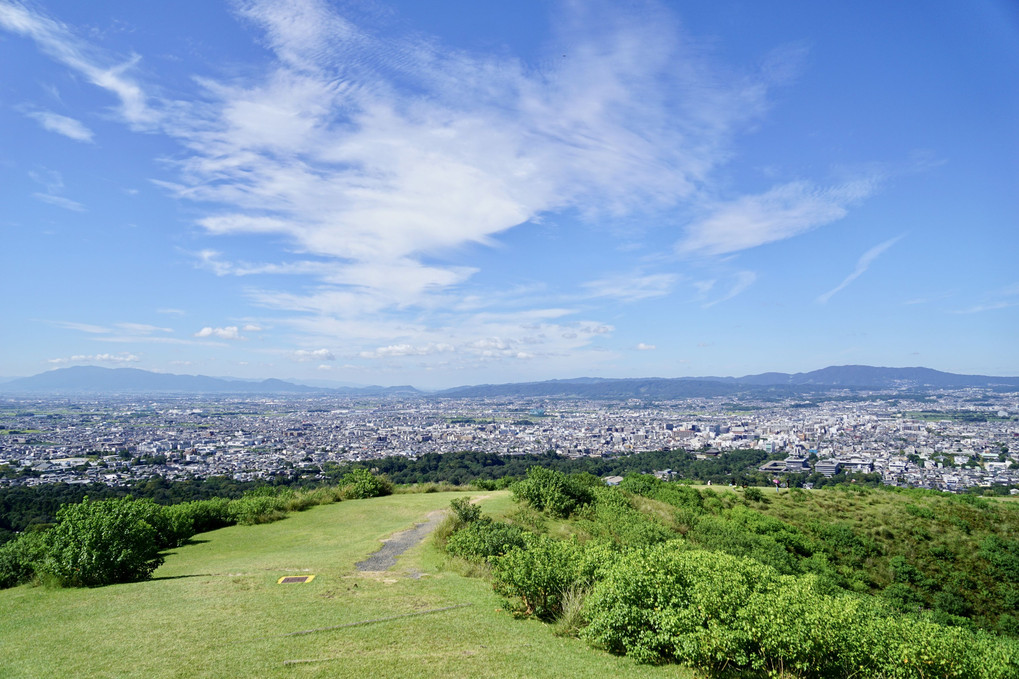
616, 519
726, 615
1003, 555
172, 525
20, 558
552, 492
100, 543
359, 484
920, 512
538, 574
739, 539
484, 539
688, 502
205, 515
464, 510
840, 540
257, 508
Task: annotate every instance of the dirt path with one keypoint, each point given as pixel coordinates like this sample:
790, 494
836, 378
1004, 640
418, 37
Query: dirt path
385, 558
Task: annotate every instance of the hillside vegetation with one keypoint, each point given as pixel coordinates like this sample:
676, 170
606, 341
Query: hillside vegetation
835, 583
214, 609
650, 578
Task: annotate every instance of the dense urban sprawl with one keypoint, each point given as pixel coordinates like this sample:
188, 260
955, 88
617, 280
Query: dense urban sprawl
949, 440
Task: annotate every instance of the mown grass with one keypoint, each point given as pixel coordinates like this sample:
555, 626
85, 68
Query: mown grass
214, 610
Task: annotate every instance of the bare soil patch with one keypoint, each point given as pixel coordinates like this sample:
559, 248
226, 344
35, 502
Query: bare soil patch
398, 543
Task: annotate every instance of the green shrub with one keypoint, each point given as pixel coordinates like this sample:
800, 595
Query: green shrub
840, 540
206, 515
484, 539
257, 508
647, 485
100, 543
553, 492
614, 518
464, 510
920, 512
753, 494
1003, 555
736, 538
538, 574
729, 616
20, 558
654, 603
359, 484
172, 525
483, 484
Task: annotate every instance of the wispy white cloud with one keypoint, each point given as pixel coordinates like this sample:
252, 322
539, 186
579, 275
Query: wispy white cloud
990, 306
704, 287
60, 43
96, 358
126, 332
1002, 298
60, 201
861, 267
782, 212
69, 127
82, 327
632, 287
375, 186
394, 350
53, 182
645, 347
371, 179
303, 355
742, 281
141, 328
230, 332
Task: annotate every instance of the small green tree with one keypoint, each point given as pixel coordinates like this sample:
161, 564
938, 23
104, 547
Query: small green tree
359, 483
484, 539
538, 574
101, 543
552, 492
464, 510
20, 558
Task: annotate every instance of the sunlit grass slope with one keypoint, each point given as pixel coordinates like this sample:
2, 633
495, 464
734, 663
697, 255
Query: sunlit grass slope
214, 609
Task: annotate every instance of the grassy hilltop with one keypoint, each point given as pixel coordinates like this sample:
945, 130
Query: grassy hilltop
213, 609
841, 582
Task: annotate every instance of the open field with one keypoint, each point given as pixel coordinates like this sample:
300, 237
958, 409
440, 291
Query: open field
214, 610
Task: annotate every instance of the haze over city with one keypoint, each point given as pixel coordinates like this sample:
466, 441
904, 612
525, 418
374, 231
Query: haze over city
450, 193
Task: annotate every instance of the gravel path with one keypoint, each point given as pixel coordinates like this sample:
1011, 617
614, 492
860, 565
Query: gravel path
385, 558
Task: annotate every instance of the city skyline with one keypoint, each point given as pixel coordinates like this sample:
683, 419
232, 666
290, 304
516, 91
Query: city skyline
443, 195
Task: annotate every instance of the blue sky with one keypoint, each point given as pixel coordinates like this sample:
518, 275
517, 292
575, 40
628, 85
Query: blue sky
453, 193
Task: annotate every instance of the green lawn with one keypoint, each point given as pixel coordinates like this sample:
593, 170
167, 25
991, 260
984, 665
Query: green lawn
214, 610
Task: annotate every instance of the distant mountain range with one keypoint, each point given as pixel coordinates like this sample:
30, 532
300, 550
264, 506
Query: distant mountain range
96, 380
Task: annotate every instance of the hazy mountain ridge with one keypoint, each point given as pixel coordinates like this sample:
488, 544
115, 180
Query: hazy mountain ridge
832, 377
97, 380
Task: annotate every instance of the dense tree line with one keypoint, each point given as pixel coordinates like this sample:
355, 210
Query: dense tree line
23, 506
739, 466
